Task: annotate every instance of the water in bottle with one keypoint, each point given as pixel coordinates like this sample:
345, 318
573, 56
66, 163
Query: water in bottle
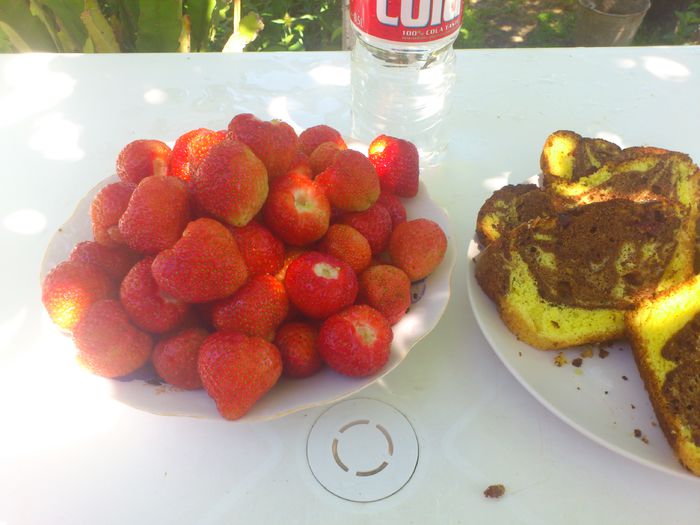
403, 71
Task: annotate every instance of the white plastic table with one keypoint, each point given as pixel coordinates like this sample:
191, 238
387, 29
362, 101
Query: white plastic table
69, 454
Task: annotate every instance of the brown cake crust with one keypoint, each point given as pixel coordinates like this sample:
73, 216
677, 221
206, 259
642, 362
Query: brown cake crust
629, 182
509, 207
491, 269
681, 388
669, 393
587, 245
586, 155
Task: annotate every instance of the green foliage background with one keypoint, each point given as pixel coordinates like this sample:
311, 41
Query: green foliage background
250, 25
169, 25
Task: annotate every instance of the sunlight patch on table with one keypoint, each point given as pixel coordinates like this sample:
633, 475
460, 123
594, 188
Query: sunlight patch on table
45, 392
495, 183
331, 75
610, 137
33, 87
9, 328
278, 108
56, 138
25, 222
155, 96
665, 68
627, 63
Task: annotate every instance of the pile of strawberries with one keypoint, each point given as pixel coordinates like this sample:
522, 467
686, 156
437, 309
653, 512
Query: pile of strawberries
245, 254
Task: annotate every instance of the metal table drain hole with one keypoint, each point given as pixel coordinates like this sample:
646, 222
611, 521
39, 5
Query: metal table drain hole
362, 450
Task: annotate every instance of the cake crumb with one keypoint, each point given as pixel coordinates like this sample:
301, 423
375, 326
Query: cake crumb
577, 362
588, 352
560, 360
520, 354
606, 392
624, 377
640, 435
633, 407
603, 353
495, 491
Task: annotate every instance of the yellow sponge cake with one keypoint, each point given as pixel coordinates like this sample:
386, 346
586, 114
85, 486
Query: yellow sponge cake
665, 336
566, 280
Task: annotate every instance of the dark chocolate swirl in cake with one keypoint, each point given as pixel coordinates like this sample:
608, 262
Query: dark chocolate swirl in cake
682, 385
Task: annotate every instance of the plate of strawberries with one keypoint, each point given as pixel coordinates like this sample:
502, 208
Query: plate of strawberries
251, 272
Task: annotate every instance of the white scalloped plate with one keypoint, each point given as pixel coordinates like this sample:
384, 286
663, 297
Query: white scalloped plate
143, 391
604, 398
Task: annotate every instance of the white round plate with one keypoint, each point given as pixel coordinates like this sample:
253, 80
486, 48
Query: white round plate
603, 399
144, 391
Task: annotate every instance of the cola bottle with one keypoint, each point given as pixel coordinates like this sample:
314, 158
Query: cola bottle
403, 71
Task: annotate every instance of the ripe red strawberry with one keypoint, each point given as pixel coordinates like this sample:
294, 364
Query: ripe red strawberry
106, 209
291, 254
192, 319
148, 307
394, 206
301, 165
230, 183
418, 247
381, 258
175, 358
322, 157
374, 224
274, 142
297, 210
350, 183
108, 344
297, 345
320, 285
387, 289
70, 288
396, 162
142, 158
347, 244
190, 150
116, 261
263, 252
355, 342
204, 313
204, 265
237, 370
157, 214
256, 309
311, 138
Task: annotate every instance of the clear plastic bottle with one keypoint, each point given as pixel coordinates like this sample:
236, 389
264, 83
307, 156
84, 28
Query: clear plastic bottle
403, 71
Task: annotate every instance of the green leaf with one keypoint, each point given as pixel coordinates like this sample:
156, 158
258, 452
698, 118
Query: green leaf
5, 45
200, 12
71, 32
251, 24
159, 25
184, 40
98, 28
89, 47
124, 17
23, 30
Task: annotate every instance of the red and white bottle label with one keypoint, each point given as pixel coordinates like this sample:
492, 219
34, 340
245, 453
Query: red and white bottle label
407, 20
